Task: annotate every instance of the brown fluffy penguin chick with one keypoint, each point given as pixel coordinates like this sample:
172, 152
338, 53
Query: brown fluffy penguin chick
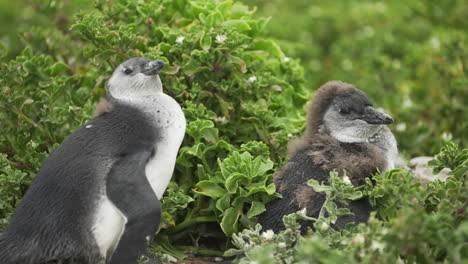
344, 132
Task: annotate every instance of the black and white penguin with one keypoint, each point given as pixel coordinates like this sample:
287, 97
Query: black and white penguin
96, 198
344, 132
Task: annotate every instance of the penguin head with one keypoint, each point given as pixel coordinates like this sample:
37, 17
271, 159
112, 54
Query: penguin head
136, 77
345, 112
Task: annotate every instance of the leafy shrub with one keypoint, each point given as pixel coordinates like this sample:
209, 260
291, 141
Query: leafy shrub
235, 87
412, 224
410, 59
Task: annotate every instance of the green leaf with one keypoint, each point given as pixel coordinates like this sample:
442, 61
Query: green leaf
232, 182
211, 189
205, 41
223, 202
229, 221
319, 187
256, 209
269, 46
58, 68
239, 25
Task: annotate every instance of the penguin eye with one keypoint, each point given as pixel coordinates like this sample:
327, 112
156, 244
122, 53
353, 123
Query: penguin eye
127, 70
343, 111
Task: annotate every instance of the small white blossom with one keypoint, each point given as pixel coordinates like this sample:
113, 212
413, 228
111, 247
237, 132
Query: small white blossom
384, 231
447, 136
376, 245
170, 258
221, 38
358, 239
28, 101
276, 88
252, 79
435, 43
89, 126
268, 235
222, 120
346, 180
180, 40
290, 135
281, 245
286, 59
33, 144
401, 127
218, 259
407, 102
324, 227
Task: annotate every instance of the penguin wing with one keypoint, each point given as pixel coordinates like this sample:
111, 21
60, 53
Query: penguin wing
130, 191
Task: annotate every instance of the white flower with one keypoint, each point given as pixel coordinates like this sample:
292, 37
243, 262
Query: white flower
324, 227
407, 102
290, 135
286, 59
170, 258
346, 180
281, 245
358, 239
447, 136
401, 127
435, 43
252, 79
221, 38
376, 245
267, 235
180, 40
222, 120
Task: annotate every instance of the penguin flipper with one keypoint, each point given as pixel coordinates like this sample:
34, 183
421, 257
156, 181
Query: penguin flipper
130, 191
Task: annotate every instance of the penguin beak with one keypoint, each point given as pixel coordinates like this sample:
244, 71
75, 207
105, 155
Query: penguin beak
153, 67
375, 117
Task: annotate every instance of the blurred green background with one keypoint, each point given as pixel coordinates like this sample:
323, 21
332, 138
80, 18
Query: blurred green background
410, 57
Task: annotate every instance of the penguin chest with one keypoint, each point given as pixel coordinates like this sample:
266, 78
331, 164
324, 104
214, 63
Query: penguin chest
170, 122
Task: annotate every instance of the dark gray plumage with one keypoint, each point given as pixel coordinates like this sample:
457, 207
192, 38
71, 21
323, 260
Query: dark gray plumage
92, 200
341, 124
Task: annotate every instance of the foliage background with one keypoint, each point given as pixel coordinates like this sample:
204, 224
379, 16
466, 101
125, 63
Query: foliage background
244, 98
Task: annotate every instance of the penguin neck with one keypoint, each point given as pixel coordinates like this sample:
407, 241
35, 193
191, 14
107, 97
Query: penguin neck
136, 91
343, 136
134, 98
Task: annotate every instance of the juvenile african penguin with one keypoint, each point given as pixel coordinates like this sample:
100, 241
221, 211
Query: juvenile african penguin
96, 198
344, 132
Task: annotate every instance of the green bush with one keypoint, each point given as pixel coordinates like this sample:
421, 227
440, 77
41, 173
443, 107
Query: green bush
242, 101
410, 58
411, 224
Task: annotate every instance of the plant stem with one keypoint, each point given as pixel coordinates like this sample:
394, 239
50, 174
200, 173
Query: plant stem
207, 167
189, 222
322, 210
